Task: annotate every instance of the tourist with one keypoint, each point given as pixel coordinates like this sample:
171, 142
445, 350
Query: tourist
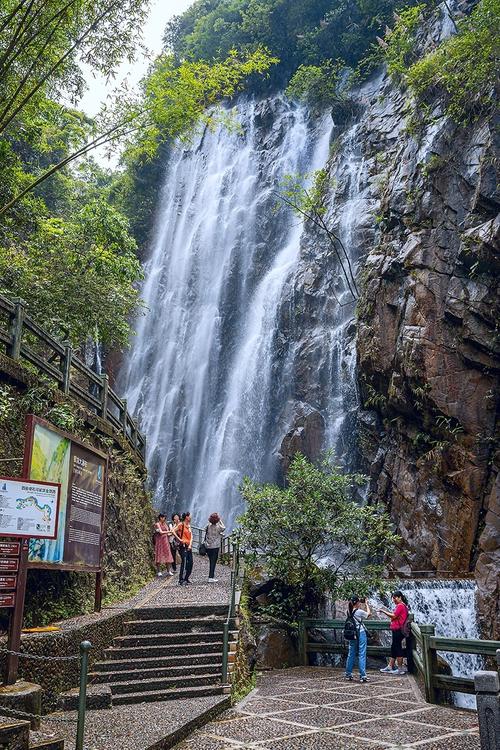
163, 553
174, 542
213, 536
185, 537
359, 610
398, 620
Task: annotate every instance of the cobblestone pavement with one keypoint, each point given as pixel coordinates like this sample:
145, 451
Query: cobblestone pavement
315, 709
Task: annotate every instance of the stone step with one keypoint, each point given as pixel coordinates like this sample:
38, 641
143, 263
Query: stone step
144, 627
148, 652
14, 734
47, 744
167, 695
175, 660
154, 672
125, 641
191, 612
167, 683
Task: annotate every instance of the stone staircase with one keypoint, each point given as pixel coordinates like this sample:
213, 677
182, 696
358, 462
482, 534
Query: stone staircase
15, 735
167, 653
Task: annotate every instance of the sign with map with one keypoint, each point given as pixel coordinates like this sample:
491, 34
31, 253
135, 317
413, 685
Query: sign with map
29, 509
55, 456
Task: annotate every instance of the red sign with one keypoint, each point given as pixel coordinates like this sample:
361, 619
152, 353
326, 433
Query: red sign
9, 549
8, 582
9, 565
7, 600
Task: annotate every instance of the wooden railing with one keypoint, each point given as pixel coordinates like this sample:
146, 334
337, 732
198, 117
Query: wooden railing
422, 656
25, 340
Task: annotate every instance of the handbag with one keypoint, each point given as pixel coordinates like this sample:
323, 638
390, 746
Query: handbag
202, 549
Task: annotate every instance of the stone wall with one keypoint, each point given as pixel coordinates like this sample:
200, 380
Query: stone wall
56, 676
127, 561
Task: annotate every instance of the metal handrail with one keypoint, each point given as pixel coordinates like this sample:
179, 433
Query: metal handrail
235, 575
97, 395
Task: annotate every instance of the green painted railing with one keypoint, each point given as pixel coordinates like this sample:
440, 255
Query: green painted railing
236, 576
422, 656
24, 340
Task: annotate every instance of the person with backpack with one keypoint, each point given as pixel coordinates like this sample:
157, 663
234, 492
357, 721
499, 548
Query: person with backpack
400, 629
163, 553
213, 534
357, 637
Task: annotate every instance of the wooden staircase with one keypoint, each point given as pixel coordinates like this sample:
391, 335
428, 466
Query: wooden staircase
167, 653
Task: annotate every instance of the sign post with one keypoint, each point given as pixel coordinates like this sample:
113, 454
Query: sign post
27, 509
51, 453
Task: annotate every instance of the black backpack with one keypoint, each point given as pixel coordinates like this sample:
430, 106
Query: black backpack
350, 629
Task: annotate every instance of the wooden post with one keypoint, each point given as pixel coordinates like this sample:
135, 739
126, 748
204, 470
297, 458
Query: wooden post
429, 660
16, 617
98, 591
104, 396
16, 329
68, 355
124, 417
409, 648
302, 636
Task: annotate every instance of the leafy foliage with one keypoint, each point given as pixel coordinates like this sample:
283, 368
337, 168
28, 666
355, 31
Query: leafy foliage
310, 202
315, 85
401, 42
465, 67
313, 537
299, 32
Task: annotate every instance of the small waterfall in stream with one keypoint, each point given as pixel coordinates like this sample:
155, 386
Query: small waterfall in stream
451, 606
204, 376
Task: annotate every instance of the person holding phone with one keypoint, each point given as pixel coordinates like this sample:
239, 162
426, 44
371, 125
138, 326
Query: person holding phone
184, 534
359, 610
398, 619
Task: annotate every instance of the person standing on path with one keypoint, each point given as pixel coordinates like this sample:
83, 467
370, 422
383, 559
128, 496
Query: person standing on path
213, 536
398, 620
174, 542
185, 536
359, 610
163, 553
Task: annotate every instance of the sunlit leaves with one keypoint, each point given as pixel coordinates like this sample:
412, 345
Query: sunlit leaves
314, 537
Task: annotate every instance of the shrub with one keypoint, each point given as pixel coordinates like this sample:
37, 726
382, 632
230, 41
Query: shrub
313, 538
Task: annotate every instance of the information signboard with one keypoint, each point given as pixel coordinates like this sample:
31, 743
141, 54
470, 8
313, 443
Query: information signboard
28, 509
81, 471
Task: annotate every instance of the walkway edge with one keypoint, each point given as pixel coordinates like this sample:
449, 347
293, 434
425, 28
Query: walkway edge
199, 721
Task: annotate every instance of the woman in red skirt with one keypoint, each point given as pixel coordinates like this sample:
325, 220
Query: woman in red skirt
163, 553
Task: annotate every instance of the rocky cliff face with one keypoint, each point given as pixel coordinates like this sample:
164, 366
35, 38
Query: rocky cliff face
425, 238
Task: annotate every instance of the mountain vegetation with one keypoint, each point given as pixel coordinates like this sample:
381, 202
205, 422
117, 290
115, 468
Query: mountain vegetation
70, 231
66, 249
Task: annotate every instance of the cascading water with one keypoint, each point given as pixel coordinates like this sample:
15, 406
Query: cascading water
203, 377
450, 605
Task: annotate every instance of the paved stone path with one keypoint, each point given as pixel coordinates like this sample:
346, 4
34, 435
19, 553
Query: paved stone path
315, 709
168, 593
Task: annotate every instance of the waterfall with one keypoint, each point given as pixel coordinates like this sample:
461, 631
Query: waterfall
204, 376
450, 605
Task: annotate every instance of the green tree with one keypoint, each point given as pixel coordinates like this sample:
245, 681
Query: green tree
77, 276
313, 538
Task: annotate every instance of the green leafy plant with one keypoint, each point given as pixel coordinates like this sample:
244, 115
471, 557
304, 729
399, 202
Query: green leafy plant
465, 67
313, 538
316, 85
307, 196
